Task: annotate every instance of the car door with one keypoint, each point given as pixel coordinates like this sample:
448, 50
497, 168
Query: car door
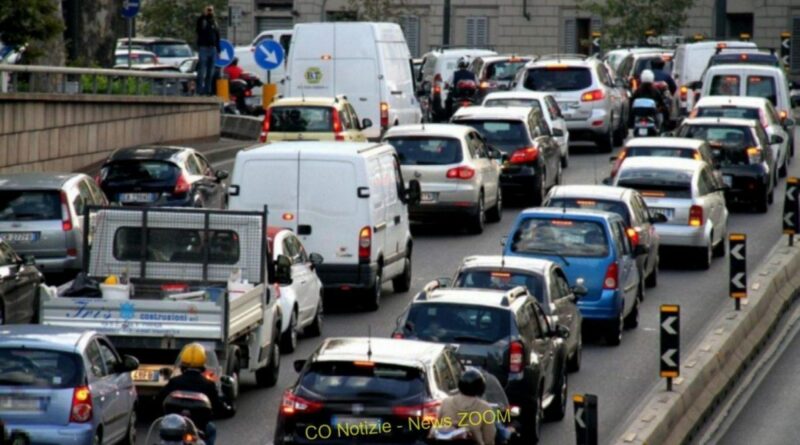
542, 343
640, 219
629, 273
118, 402
557, 121
482, 163
19, 286
100, 385
548, 145
708, 191
396, 215
301, 276
215, 190
563, 300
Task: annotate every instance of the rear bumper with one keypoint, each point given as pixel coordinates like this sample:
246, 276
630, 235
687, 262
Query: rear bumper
522, 182
598, 123
429, 212
56, 265
343, 276
71, 434
607, 307
749, 184
681, 235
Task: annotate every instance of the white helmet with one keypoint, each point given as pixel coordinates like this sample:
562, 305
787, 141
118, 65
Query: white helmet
648, 76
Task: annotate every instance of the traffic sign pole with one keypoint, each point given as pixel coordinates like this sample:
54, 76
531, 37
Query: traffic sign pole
129, 10
791, 211
670, 352
738, 267
268, 55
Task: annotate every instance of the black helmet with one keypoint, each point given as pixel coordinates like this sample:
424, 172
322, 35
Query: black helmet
463, 63
173, 427
472, 383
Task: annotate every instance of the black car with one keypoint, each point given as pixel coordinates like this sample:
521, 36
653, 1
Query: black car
162, 176
507, 334
19, 287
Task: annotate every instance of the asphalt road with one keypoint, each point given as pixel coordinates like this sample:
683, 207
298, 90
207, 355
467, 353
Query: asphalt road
619, 376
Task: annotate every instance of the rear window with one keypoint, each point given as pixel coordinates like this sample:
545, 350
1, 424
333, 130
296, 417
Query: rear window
655, 183
646, 63
457, 323
500, 279
750, 59
728, 144
513, 102
597, 204
39, 368
363, 380
29, 205
177, 245
170, 49
136, 59
558, 79
729, 111
140, 171
427, 150
560, 237
506, 135
664, 152
726, 85
301, 119
762, 86
504, 70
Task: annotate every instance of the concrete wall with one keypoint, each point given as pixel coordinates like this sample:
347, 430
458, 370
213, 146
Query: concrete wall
56, 132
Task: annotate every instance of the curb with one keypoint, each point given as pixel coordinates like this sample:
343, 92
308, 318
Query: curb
246, 128
717, 363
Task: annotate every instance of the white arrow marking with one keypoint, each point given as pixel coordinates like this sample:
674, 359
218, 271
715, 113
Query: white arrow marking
737, 252
667, 325
579, 418
788, 219
596, 42
667, 357
223, 55
790, 193
737, 280
270, 56
785, 43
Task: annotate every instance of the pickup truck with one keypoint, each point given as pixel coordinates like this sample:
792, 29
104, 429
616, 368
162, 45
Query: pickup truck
187, 275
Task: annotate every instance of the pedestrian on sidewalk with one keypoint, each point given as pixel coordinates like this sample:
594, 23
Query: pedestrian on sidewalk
207, 49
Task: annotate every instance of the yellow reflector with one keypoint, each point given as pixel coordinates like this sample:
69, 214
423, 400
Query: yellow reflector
671, 374
736, 237
288, 216
577, 398
364, 363
672, 308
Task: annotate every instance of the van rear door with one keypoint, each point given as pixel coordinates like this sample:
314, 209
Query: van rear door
356, 73
269, 181
311, 65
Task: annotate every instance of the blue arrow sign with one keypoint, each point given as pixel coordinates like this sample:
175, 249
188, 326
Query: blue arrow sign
269, 54
225, 55
130, 8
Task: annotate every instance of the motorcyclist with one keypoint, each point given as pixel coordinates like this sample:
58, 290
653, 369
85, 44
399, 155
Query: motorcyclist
462, 73
193, 364
663, 76
234, 71
647, 90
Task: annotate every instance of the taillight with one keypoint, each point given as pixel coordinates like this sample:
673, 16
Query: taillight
265, 125
384, 114
696, 216
524, 155
633, 235
634, 84
684, 91
437, 84
612, 276
783, 114
592, 96
515, 354
763, 118
336, 123
66, 215
754, 155
210, 375
427, 411
365, 243
181, 185
618, 162
462, 172
398, 335
81, 410
292, 404
484, 85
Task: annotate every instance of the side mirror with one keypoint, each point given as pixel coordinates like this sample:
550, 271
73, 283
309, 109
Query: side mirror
221, 174
283, 270
413, 192
656, 218
562, 331
579, 289
640, 250
129, 363
606, 181
775, 139
366, 123
445, 281
315, 258
299, 364
788, 122
557, 132
28, 260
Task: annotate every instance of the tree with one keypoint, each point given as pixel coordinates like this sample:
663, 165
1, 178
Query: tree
177, 18
627, 21
34, 23
376, 10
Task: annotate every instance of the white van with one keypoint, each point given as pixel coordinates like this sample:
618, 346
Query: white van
367, 62
345, 200
247, 61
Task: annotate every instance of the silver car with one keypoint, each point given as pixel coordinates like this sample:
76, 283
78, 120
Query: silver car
41, 214
688, 194
458, 172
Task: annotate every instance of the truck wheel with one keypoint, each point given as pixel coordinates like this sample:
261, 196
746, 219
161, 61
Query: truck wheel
402, 283
267, 376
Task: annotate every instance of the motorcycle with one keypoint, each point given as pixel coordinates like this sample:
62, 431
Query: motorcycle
646, 118
464, 94
183, 410
240, 90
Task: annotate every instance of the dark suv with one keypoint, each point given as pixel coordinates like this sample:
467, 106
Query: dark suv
507, 334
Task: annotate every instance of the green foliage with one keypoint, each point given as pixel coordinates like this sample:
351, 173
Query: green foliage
26, 22
115, 85
376, 10
177, 18
627, 21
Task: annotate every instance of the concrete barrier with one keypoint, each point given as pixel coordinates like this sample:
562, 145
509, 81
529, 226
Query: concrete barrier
709, 371
246, 128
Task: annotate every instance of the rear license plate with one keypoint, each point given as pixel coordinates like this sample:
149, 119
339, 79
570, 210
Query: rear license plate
669, 213
347, 421
20, 404
141, 375
641, 131
728, 180
19, 237
137, 197
429, 196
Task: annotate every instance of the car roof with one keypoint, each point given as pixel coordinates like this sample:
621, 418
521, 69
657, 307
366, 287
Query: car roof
714, 43
518, 94
743, 101
43, 336
453, 52
124, 40
328, 148
36, 180
466, 296
384, 350
667, 142
124, 52
567, 60
576, 214
500, 57
662, 163
722, 121
506, 262
451, 130
309, 101
479, 112
589, 192
736, 68
148, 152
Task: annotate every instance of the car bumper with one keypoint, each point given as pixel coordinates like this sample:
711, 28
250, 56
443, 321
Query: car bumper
71, 434
598, 122
681, 235
436, 211
347, 276
57, 265
746, 185
520, 182
606, 307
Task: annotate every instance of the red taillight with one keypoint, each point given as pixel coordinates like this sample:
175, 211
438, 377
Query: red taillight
292, 404
210, 375
336, 123
427, 411
592, 96
398, 335
524, 155
684, 91
265, 125
181, 185
365, 243
612, 277
384, 114
515, 355
81, 411
633, 235
437, 84
462, 172
696, 216
66, 215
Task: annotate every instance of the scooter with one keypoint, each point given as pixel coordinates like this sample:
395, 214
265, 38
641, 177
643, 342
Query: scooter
646, 118
240, 90
183, 410
464, 94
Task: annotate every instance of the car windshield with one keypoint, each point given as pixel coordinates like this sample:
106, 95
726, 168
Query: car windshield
424, 150
657, 183
729, 111
506, 135
726, 85
762, 86
617, 207
170, 49
39, 368
301, 119
504, 279
513, 102
458, 323
139, 171
177, 245
136, 59
504, 70
29, 205
363, 381
560, 237
558, 78
729, 144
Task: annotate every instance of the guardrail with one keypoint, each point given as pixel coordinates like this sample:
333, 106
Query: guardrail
66, 80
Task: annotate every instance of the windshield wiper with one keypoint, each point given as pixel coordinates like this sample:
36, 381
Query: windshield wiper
553, 252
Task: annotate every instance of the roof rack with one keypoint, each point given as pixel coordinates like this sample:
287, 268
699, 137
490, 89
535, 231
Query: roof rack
562, 56
513, 294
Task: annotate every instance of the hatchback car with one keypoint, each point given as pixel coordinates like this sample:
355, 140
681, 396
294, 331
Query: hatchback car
162, 176
41, 214
495, 73
19, 287
62, 386
505, 333
686, 192
313, 119
667, 147
532, 156
458, 172
591, 245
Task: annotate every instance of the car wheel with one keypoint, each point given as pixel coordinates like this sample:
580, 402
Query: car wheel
373, 295
605, 141
721, 247
558, 406
97, 439
565, 159
574, 362
652, 278
538, 191
620, 133
532, 423
632, 319
705, 255
267, 376
478, 220
782, 168
402, 283
614, 331
289, 338
496, 212
130, 432
559, 177
315, 328
771, 195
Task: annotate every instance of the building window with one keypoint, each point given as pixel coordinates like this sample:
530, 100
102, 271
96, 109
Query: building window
477, 31
410, 26
739, 24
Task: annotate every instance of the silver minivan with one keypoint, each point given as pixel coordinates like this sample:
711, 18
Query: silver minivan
41, 215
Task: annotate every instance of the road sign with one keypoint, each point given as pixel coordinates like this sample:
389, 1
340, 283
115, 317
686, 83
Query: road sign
738, 268
225, 55
130, 8
670, 352
585, 419
235, 16
269, 54
791, 211
786, 47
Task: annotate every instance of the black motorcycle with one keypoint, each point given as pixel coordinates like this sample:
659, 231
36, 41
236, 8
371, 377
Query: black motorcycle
241, 89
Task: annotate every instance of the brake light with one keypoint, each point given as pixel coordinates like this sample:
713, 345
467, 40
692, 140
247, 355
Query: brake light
265, 125
81, 411
612, 276
618, 163
384, 114
210, 375
427, 411
181, 185
593, 95
365, 243
515, 355
398, 335
66, 216
754, 155
634, 84
437, 84
484, 85
633, 235
695, 216
683, 92
336, 123
292, 404
524, 155
783, 114
462, 172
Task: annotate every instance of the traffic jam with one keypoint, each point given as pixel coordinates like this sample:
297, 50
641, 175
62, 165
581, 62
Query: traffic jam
144, 300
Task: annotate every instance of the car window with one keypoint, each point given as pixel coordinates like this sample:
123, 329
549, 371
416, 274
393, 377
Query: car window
559, 236
724, 85
558, 78
544, 129
503, 70
43, 369
192, 166
505, 135
459, 323
617, 207
555, 290
427, 150
108, 355
353, 116
286, 43
552, 107
347, 380
728, 142
139, 171
97, 193
177, 245
762, 86
705, 184
97, 365
79, 202
537, 324
205, 167
525, 324
772, 114
642, 205
444, 375
30, 205
728, 111
562, 284
621, 238
506, 279
345, 119
306, 119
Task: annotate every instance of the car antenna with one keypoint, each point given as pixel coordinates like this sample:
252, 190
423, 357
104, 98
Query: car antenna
369, 342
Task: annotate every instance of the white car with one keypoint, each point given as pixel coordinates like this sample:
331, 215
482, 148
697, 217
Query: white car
546, 103
138, 57
301, 301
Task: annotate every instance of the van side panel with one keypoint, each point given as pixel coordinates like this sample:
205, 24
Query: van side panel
377, 201
271, 182
358, 80
396, 216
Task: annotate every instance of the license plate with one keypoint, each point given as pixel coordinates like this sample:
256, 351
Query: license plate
141, 375
137, 197
669, 213
19, 237
347, 421
429, 196
641, 131
728, 180
20, 404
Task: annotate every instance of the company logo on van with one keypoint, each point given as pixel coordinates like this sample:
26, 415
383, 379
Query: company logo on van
313, 75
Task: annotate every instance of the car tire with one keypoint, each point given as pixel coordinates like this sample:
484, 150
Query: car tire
402, 283
538, 191
495, 214
315, 328
558, 406
721, 248
619, 134
704, 256
614, 328
289, 338
565, 159
532, 424
559, 177
478, 221
267, 376
97, 439
605, 142
574, 362
782, 169
652, 279
372, 297
130, 432
762, 205
771, 195
632, 319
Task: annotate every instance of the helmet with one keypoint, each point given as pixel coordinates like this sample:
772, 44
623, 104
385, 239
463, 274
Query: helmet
173, 427
463, 63
648, 76
472, 383
193, 355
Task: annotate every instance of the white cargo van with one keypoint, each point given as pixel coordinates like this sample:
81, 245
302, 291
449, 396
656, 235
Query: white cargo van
345, 200
367, 62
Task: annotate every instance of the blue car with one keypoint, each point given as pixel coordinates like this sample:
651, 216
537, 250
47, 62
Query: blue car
594, 253
61, 386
